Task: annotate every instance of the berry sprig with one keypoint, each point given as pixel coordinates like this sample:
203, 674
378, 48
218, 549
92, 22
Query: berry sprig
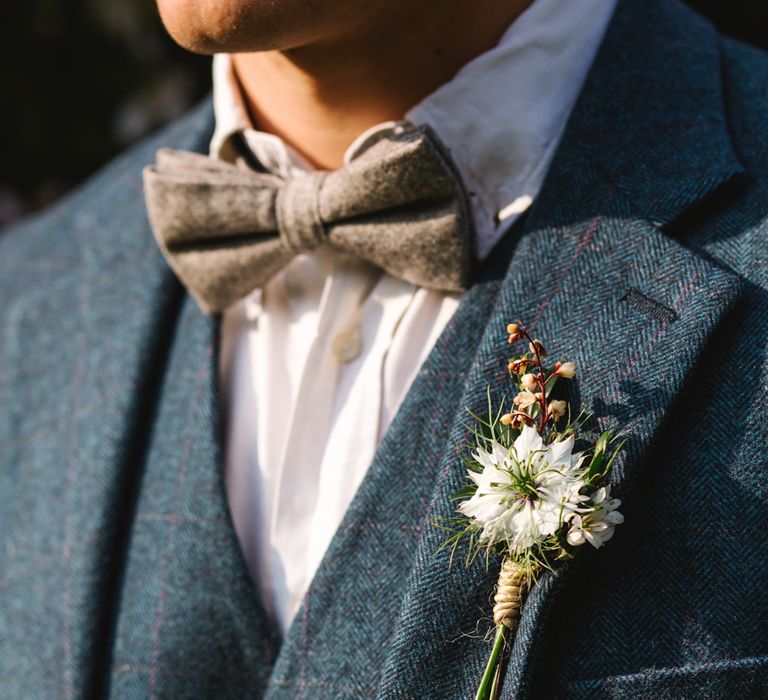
532, 402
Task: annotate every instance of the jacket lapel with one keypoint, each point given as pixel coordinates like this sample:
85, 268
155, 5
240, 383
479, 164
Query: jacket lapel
654, 303
597, 278
633, 309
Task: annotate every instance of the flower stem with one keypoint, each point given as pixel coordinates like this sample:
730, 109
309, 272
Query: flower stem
487, 684
542, 382
497, 679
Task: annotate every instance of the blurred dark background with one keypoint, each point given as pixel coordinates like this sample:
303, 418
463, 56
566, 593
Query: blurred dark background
82, 79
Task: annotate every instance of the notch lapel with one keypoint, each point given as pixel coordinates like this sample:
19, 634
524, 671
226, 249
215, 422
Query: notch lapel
633, 309
83, 352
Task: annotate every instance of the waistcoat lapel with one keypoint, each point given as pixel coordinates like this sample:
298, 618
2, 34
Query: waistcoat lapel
190, 623
104, 453
595, 276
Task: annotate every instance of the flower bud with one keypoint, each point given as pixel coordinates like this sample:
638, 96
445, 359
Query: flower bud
557, 409
515, 366
528, 381
517, 422
565, 369
525, 399
513, 329
507, 419
576, 537
537, 348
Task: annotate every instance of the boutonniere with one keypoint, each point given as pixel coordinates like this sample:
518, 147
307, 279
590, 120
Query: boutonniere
531, 498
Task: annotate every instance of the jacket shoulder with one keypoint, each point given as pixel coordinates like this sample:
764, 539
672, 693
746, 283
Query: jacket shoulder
102, 219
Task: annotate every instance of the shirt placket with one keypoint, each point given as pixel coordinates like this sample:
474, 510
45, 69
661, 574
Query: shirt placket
297, 474
354, 436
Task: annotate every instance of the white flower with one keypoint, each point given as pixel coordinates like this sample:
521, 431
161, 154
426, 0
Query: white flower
524, 493
596, 522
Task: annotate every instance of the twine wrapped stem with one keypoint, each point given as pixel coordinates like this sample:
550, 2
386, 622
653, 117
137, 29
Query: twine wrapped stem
511, 591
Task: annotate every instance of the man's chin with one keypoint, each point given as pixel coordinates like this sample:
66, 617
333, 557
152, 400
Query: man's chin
230, 26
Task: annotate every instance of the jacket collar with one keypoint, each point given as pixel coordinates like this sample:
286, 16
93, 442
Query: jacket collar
652, 115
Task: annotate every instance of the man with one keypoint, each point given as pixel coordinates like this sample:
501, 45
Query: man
241, 502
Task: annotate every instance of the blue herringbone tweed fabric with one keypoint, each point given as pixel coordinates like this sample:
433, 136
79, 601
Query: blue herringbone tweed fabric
645, 260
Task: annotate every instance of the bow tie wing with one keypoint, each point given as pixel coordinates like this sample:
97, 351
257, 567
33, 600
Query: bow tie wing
400, 204
215, 224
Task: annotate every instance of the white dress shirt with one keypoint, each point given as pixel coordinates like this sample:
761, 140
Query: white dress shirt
316, 363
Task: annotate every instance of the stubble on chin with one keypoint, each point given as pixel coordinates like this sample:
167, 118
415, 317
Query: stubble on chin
237, 26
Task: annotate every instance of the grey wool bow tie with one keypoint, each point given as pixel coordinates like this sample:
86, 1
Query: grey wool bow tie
398, 204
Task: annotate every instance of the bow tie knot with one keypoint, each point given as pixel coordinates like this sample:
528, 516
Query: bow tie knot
398, 204
297, 209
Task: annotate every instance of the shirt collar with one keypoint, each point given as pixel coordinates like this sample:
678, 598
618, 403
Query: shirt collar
501, 116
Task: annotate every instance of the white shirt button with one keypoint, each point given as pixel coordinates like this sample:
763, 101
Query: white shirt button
252, 306
347, 346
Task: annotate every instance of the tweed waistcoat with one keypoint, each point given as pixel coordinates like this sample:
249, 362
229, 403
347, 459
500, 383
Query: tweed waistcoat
643, 260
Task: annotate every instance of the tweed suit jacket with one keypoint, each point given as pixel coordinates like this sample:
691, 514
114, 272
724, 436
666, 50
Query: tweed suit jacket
644, 260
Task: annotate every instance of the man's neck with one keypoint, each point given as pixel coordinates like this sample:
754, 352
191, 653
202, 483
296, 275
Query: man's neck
320, 97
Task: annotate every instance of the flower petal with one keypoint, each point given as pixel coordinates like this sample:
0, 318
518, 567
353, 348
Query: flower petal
560, 453
528, 441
